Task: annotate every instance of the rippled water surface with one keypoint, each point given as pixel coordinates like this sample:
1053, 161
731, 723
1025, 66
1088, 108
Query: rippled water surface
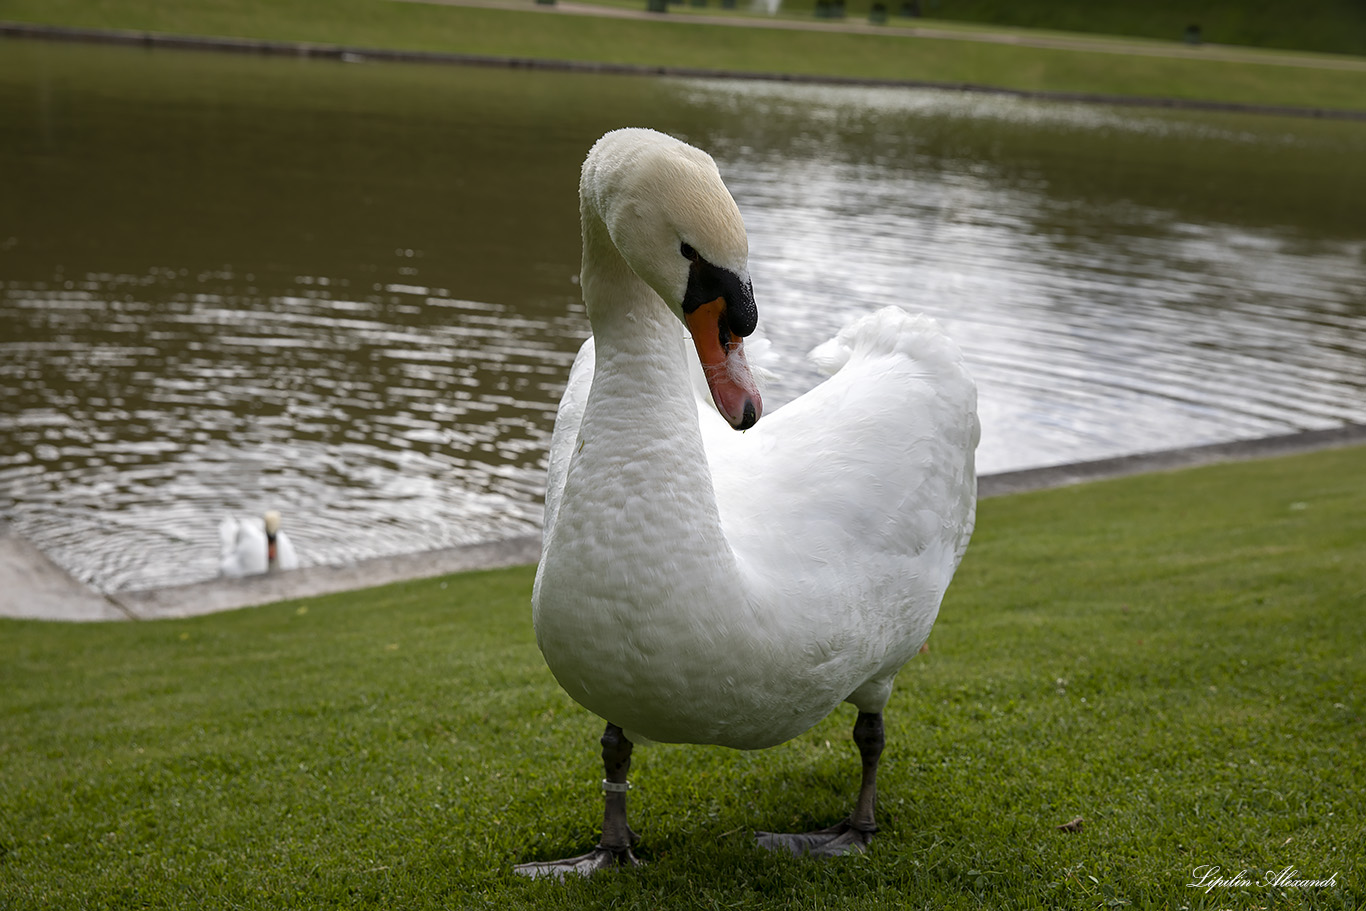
348, 292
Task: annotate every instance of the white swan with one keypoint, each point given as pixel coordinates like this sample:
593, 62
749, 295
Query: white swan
706, 586
252, 548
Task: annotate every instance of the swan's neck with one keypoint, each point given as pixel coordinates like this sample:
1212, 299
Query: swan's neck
641, 394
639, 466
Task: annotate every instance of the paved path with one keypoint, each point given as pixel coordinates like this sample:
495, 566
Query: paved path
33, 587
1022, 38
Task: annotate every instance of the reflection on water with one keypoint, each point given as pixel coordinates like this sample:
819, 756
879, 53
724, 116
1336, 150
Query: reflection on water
1097, 325
348, 292
387, 419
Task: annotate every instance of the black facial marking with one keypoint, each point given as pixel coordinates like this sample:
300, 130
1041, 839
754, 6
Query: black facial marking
707, 282
688, 252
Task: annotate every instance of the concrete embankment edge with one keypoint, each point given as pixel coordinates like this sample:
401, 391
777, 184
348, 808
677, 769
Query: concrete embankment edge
33, 587
1170, 460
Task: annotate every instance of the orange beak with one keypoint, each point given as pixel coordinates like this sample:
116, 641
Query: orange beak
722, 355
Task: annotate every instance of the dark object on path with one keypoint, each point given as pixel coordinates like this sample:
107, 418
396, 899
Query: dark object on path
1193, 34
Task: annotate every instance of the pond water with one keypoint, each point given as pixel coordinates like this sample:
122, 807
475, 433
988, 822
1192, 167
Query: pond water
348, 292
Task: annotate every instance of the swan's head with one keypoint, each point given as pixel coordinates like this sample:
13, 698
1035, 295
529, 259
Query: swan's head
677, 227
272, 518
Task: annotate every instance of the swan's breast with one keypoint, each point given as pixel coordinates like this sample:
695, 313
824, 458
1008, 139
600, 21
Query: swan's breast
676, 661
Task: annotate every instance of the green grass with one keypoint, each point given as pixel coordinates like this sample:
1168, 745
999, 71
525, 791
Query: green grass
1176, 658
671, 40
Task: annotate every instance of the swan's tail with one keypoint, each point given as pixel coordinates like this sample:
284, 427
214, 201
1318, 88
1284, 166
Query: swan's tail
888, 331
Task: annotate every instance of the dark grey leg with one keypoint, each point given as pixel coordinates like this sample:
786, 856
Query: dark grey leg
870, 739
617, 837
856, 832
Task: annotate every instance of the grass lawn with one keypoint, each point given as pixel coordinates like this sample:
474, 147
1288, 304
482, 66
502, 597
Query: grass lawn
671, 40
1175, 658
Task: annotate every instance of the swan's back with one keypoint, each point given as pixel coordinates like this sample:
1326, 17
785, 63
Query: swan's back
854, 503
242, 548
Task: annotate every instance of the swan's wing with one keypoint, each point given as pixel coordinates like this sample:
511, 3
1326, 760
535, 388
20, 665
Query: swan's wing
565, 437
863, 490
248, 556
228, 564
285, 556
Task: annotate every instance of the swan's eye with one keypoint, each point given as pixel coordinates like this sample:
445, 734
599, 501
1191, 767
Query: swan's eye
688, 252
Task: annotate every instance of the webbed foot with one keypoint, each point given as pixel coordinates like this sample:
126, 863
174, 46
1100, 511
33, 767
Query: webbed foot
841, 838
617, 836
856, 832
599, 858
